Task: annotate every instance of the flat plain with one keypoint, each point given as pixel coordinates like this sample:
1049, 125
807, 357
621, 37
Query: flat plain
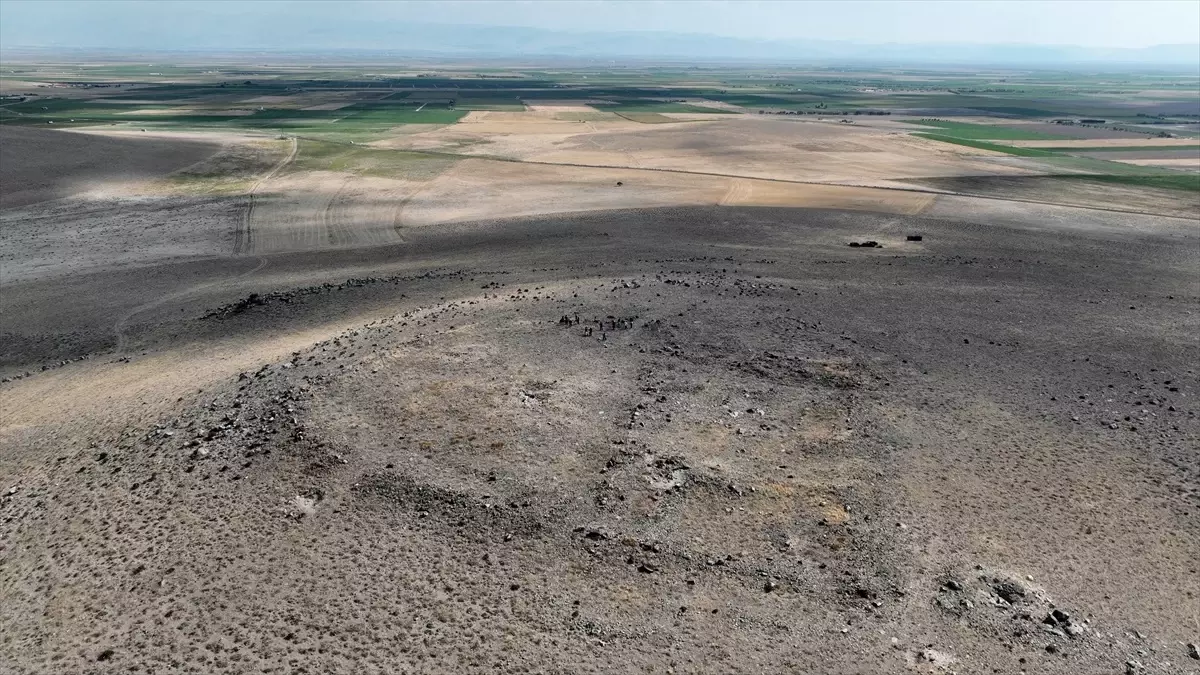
447, 368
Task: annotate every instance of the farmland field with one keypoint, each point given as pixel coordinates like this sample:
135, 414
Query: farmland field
982, 132
992, 147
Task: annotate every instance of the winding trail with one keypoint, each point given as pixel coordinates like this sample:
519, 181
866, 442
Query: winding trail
244, 240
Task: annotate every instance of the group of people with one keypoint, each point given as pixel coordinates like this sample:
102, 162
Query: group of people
612, 323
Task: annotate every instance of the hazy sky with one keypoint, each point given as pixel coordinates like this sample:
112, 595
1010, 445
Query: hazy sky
1098, 23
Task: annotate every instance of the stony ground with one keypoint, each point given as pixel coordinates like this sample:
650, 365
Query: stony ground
702, 440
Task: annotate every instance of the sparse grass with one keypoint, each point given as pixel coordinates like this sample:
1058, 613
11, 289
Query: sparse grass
983, 132
1094, 165
323, 155
231, 171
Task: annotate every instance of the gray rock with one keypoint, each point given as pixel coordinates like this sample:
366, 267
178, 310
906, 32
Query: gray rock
1010, 591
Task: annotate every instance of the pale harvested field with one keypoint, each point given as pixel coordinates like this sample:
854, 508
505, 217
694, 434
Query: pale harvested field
477, 189
744, 146
320, 209
751, 192
223, 137
718, 105
556, 107
10, 86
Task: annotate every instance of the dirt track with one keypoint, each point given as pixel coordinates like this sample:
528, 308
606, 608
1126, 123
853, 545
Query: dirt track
771, 452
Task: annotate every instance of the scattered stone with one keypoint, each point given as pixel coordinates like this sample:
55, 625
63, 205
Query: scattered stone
936, 658
1193, 650
953, 585
1010, 591
913, 237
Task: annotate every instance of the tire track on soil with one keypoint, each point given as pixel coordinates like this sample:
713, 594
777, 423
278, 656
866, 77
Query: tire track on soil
243, 241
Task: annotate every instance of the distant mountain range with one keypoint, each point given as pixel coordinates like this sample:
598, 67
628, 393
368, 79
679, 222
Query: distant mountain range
295, 34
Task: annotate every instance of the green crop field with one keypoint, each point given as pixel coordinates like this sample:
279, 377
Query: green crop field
1123, 148
983, 145
1174, 181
